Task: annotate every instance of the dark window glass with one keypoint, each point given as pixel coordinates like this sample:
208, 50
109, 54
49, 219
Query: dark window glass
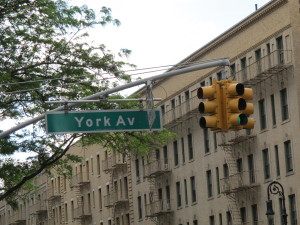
209, 183
288, 156
176, 157
206, 140
178, 194
190, 146
266, 163
262, 114
193, 189
284, 105
273, 110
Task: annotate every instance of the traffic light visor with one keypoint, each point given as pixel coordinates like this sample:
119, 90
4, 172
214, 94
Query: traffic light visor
236, 89
237, 104
207, 107
206, 92
248, 94
238, 119
208, 121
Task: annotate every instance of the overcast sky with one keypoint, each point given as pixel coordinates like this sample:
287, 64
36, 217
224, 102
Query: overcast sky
163, 32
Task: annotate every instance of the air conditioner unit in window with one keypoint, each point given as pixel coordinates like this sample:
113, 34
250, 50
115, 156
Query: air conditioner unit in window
168, 206
166, 166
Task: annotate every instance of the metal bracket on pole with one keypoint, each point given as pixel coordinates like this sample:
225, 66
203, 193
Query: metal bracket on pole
66, 107
150, 104
224, 76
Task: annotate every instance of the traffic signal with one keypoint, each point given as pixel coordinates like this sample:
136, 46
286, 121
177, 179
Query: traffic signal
248, 95
213, 93
237, 109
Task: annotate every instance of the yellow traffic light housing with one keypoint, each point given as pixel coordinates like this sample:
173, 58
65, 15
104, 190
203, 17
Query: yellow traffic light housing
237, 109
213, 93
226, 106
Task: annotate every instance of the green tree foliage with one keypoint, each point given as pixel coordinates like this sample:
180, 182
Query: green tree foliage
45, 55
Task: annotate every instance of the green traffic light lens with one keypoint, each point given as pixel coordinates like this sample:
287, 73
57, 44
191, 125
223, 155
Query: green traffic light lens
243, 119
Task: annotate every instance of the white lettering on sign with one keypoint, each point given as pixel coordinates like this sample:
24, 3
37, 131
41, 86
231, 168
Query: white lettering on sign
130, 121
106, 121
89, 122
79, 121
120, 120
98, 121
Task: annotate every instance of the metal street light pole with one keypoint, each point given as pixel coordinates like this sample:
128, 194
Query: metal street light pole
276, 188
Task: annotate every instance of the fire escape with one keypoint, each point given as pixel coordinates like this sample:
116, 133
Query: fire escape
240, 185
39, 208
80, 184
158, 210
117, 197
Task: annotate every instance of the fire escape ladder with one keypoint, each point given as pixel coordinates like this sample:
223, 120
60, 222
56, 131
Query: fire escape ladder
234, 209
234, 177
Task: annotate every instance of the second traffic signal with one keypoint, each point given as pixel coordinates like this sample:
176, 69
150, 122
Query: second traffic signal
237, 110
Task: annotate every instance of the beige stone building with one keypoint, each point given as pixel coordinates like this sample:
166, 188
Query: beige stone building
201, 177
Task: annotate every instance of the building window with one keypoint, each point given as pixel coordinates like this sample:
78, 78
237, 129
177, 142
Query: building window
244, 69
202, 84
220, 219
100, 198
193, 189
206, 140
293, 210
157, 154
218, 180
165, 151
215, 141
98, 164
288, 156
137, 169
178, 194
262, 114
258, 60
168, 196
284, 105
195, 222
277, 161
66, 213
163, 109
239, 164
185, 192
179, 99
176, 157
140, 207
211, 220
219, 76
232, 70
266, 163
273, 110
228, 218
254, 214
182, 149
209, 183
190, 146
243, 215
210, 81
279, 45
251, 169
225, 170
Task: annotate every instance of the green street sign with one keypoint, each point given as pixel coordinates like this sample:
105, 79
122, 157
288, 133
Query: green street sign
100, 121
